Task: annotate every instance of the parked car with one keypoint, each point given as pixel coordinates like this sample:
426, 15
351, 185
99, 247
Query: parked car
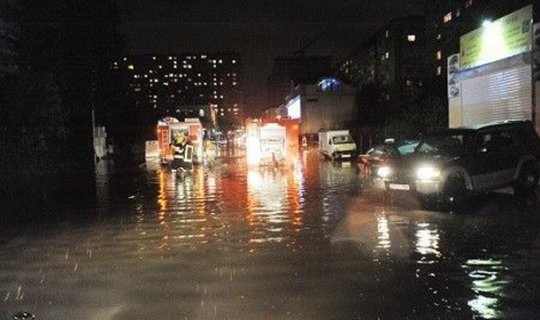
374, 158
449, 166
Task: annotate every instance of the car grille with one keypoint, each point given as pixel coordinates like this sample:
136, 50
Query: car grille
402, 177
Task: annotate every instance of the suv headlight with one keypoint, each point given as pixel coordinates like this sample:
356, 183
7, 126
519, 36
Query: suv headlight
427, 173
384, 171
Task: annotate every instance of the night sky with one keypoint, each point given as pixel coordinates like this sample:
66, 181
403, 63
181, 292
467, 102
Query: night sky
259, 30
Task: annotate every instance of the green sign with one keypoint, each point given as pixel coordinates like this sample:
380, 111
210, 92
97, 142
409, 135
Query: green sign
496, 40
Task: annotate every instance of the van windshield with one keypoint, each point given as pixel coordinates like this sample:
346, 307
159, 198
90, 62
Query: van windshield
341, 139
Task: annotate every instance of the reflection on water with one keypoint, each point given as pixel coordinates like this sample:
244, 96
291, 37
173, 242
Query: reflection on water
225, 242
383, 234
488, 281
427, 243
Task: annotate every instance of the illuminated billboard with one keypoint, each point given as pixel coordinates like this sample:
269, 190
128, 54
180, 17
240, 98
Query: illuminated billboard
293, 108
496, 40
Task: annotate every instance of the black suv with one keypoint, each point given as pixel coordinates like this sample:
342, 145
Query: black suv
448, 166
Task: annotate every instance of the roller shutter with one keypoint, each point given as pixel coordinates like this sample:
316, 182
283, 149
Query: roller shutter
500, 95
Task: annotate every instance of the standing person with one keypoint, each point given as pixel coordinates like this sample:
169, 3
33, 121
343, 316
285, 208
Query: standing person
179, 147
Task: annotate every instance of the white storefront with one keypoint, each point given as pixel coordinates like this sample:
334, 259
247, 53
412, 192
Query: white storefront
491, 79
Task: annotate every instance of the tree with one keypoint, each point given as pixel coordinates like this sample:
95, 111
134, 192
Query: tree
419, 115
65, 50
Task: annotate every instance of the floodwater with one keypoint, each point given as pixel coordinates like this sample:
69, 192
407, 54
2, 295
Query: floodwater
228, 242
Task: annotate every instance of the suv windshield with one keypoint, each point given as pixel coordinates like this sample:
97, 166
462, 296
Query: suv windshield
444, 144
406, 147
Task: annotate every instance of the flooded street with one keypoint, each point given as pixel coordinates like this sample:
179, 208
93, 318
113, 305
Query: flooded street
296, 243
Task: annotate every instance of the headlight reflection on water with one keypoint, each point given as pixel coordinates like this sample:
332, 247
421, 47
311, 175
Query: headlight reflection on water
487, 284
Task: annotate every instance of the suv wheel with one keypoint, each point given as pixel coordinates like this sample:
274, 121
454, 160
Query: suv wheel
454, 193
429, 203
527, 180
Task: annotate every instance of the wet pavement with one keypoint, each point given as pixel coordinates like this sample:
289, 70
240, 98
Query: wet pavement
227, 242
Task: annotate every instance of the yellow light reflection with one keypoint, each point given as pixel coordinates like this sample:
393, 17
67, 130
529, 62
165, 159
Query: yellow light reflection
273, 201
162, 198
163, 204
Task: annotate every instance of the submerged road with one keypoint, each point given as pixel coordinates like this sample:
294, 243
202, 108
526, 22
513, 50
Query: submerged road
228, 242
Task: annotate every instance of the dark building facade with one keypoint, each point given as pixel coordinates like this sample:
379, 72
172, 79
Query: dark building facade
288, 72
391, 58
179, 84
8, 66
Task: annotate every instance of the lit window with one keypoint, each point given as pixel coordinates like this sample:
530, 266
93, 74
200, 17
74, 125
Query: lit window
409, 83
439, 37
125, 59
468, 3
234, 61
447, 17
387, 55
154, 58
439, 70
458, 12
131, 67
438, 55
203, 56
387, 34
411, 38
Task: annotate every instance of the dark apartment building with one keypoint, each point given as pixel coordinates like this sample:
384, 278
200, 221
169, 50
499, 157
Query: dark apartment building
8, 66
181, 85
448, 20
392, 58
288, 72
